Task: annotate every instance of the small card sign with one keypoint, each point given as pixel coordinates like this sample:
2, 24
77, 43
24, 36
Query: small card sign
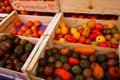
40, 6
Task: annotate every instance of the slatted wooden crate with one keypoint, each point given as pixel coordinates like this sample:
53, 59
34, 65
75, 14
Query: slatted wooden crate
11, 20
73, 22
23, 75
48, 43
38, 6
90, 6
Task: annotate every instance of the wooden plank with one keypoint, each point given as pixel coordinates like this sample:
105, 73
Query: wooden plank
90, 6
55, 23
24, 68
39, 54
8, 20
51, 24
39, 6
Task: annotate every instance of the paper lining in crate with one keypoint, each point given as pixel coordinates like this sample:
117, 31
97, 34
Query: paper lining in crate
48, 43
38, 6
23, 74
43, 22
90, 6
74, 22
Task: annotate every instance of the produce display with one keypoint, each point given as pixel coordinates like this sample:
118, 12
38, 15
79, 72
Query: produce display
90, 33
81, 63
29, 29
5, 6
14, 51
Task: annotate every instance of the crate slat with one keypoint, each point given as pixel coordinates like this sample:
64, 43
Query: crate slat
90, 6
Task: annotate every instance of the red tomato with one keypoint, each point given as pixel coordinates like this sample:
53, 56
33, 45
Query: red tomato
8, 9
65, 51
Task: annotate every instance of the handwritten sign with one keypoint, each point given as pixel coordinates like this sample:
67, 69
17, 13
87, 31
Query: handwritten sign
40, 6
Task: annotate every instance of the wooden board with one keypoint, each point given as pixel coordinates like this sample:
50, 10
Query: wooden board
38, 6
90, 6
23, 75
6, 21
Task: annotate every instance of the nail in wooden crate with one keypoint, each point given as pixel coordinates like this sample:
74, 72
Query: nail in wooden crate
38, 6
90, 6
23, 74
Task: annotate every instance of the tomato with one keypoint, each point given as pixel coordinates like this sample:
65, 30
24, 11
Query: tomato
30, 23
8, 9
65, 51
114, 72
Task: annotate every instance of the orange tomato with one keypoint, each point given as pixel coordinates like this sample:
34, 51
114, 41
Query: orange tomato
23, 28
37, 23
34, 28
82, 39
35, 34
30, 23
86, 50
20, 32
98, 72
23, 34
18, 23
34, 31
40, 32
24, 12
14, 31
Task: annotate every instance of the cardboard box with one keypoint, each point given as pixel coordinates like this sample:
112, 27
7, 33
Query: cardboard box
38, 6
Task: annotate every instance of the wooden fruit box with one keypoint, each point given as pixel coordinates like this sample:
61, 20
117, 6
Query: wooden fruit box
23, 75
38, 6
73, 22
90, 6
48, 43
45, 20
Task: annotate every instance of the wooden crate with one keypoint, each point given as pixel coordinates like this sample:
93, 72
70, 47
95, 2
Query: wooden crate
73, 22
23, 75
38, 6
49, 43
45, 20
90, 6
